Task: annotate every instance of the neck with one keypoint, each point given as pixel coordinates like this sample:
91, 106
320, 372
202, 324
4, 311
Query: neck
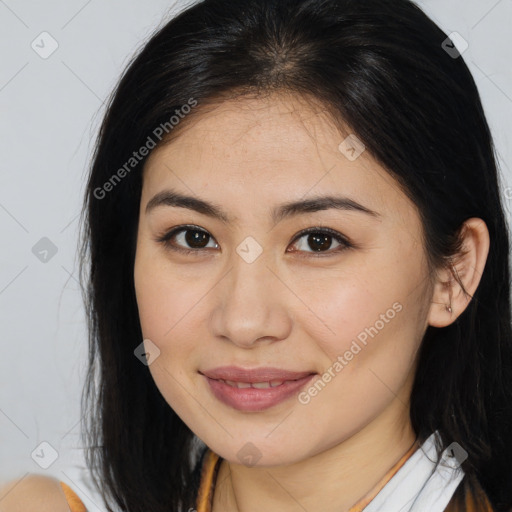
333, 480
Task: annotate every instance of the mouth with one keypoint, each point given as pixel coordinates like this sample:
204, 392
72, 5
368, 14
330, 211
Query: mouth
256, 389
257, 385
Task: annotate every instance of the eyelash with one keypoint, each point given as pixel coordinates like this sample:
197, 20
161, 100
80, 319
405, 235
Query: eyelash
165, 239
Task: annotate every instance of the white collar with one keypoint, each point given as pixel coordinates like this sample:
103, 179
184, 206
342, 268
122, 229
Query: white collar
420, 484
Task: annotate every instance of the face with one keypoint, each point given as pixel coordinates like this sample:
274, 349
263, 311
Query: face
334, 291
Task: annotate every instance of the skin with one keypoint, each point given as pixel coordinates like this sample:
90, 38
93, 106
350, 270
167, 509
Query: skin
289, 308
31, 493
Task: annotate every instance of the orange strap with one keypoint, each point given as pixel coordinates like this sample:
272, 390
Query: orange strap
208, 473
365, 500
74, 502
211, 465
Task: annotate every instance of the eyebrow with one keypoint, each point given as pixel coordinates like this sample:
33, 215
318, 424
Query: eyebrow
176, 199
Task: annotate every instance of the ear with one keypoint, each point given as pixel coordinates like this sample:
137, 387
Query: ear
467, 270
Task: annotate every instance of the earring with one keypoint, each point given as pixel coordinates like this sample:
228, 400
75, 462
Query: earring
449, 308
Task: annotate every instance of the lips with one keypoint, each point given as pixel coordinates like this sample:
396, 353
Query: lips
254, 389
256, 385
263, 374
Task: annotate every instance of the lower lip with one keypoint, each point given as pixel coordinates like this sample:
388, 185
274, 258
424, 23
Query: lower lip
253, 399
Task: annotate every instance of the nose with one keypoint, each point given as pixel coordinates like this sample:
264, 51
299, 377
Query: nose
250, 304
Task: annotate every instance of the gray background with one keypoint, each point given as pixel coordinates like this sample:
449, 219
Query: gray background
50, 111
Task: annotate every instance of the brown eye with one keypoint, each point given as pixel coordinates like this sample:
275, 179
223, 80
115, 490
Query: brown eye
320, 240
196, 239
186, 239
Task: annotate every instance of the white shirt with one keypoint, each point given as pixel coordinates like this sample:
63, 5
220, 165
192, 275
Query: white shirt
421, 485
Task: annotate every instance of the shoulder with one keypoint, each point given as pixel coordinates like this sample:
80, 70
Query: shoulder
33, 493
469, 497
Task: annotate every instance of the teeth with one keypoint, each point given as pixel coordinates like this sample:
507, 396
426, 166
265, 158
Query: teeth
257, 385
234, 384
261, 385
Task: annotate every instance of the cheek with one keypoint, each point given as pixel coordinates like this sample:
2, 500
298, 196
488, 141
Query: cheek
165, 299
340, 308
166, 305
366, 325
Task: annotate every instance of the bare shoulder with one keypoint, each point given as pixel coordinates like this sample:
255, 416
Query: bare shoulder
33, 493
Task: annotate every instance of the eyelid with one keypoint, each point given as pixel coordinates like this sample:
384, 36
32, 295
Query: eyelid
167, 235
344, 242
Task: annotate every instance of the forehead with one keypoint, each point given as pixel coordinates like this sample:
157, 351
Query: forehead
276, 148
282, 125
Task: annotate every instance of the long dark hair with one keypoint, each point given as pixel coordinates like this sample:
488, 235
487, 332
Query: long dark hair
382, 69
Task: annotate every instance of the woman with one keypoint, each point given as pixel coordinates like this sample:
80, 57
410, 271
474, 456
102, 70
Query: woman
296, 269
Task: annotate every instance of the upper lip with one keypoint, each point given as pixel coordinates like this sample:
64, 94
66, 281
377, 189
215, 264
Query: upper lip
250, 375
